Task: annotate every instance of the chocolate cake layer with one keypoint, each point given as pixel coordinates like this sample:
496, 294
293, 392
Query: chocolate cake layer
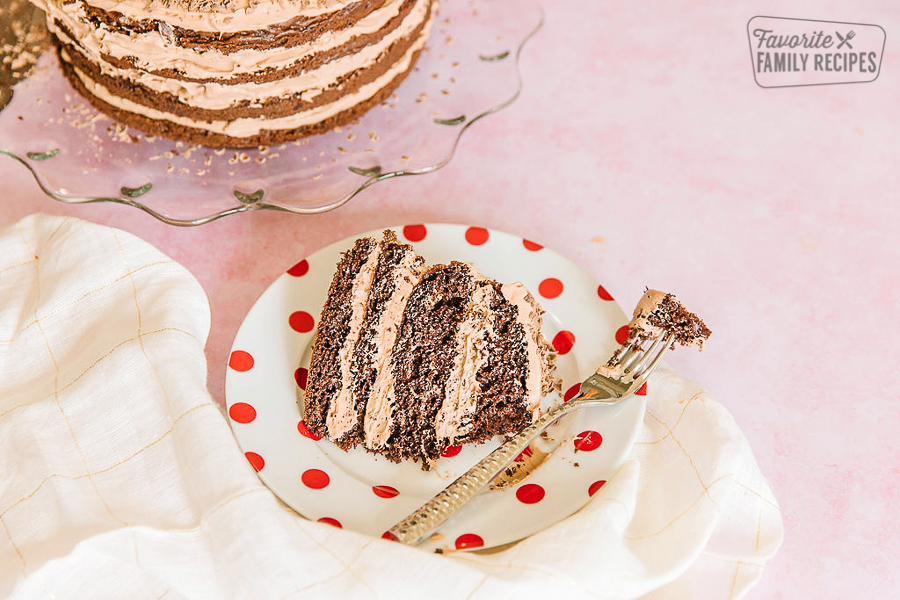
502, 386
399, 271
423, 357
333, 329
671, 316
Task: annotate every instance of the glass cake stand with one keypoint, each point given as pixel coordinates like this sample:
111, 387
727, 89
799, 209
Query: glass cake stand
468, 70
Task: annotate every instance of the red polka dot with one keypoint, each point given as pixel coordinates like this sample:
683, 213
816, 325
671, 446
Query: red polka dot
530, 493
332, 522
642, 391
601, 291
526, 453
304, 430
572, 392
469, 540
477, 235
384, 491
563, 341
595, 487
300, 376
301, 321
300, 269
255, 460
529, 245
315, 479
451, 451
415, 233
622, 334
550, 287
240, 361
242, 412
387, 535
588, 440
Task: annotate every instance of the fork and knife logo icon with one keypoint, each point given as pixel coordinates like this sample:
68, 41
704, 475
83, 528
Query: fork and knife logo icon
845, 40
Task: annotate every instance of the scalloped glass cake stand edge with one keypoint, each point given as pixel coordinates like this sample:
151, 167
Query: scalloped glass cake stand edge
252, 201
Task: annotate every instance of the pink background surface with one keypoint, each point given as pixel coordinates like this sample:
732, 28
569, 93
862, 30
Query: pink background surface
642, 149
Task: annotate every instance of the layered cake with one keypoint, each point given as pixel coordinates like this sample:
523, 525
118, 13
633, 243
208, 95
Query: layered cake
410, 358
237, 73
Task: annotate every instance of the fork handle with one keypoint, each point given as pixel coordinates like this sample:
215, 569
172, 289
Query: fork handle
431, 515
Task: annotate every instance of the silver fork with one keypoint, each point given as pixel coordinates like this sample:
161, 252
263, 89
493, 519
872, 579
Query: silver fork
629, 368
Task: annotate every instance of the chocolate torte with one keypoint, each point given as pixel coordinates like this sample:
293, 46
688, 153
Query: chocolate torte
237, 73
410, 358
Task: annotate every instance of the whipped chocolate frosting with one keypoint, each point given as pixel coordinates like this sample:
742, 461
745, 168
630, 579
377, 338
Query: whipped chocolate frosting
380, 407
455, 418
342, 413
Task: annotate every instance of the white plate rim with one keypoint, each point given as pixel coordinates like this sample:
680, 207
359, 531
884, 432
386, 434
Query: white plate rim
349, 497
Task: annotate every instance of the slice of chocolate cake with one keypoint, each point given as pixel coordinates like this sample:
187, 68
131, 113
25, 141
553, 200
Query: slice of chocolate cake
409, 359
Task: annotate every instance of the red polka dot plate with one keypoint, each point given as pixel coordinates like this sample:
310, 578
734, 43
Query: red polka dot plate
360, 491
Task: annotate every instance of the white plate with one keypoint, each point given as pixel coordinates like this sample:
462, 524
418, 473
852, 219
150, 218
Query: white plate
367, 493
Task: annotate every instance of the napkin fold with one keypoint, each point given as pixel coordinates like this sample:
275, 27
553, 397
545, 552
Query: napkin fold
120, 478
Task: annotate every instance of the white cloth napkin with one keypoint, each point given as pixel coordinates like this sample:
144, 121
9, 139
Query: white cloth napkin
120, 478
